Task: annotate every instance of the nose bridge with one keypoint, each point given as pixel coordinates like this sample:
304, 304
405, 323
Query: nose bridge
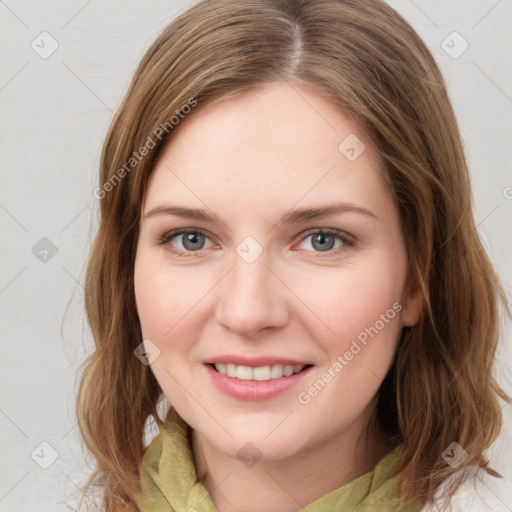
252, 296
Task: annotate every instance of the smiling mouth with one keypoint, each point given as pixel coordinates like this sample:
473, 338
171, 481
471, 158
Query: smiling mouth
258, 373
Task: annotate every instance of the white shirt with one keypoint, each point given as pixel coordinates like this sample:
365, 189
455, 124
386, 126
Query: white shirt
481, 493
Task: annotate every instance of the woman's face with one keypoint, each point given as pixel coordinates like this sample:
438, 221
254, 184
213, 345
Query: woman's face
255, 283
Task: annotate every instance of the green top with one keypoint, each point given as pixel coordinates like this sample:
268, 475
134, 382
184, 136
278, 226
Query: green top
169, 483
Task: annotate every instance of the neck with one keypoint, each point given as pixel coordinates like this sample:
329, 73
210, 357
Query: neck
290, 483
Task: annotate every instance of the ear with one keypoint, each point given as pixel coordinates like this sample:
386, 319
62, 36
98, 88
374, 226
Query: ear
412, 302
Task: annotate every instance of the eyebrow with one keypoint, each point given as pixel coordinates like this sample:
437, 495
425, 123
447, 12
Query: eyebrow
291, 217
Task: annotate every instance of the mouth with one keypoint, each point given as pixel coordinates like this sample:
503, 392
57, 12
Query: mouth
255, 383
258, 373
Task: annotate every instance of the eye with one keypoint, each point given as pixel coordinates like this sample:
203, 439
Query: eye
324, 241
192, 240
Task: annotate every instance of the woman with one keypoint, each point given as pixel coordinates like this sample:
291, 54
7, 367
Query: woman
287, 255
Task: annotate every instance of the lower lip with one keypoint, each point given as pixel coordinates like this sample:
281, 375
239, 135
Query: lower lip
254, 389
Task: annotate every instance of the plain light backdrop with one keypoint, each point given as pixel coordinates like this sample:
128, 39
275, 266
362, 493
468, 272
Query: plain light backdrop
65, 66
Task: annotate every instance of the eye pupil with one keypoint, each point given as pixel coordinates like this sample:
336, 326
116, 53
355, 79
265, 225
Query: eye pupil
191, 238
321, 237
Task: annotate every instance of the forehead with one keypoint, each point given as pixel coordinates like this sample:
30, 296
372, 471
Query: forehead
278, 145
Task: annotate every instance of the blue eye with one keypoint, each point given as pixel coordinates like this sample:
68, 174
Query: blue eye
193, 240
325, 239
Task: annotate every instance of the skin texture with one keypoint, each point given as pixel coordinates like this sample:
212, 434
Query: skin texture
249, 160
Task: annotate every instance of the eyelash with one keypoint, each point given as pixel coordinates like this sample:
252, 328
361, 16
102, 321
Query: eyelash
347, 240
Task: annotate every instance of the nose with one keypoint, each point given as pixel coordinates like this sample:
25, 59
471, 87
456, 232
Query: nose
251, 298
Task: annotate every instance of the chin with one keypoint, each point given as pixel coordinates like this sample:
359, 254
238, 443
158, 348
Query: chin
257, 444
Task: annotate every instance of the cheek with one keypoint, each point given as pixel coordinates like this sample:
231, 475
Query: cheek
152, 300
163, 295
355, 300
364, 313
165, 304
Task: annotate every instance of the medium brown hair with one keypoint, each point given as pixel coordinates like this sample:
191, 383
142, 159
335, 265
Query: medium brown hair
369, 62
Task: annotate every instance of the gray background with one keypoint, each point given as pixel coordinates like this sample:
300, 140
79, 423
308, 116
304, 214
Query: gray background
55, 112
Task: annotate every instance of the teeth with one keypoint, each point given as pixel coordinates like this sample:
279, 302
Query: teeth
276, 371
244, 373
261, 373
230, 370
287, 371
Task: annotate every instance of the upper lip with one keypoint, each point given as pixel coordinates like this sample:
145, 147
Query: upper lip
254, 361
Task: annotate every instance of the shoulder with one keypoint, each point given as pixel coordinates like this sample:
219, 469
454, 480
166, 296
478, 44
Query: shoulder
480, 493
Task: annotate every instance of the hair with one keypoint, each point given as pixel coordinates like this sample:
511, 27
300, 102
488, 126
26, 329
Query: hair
368, 61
